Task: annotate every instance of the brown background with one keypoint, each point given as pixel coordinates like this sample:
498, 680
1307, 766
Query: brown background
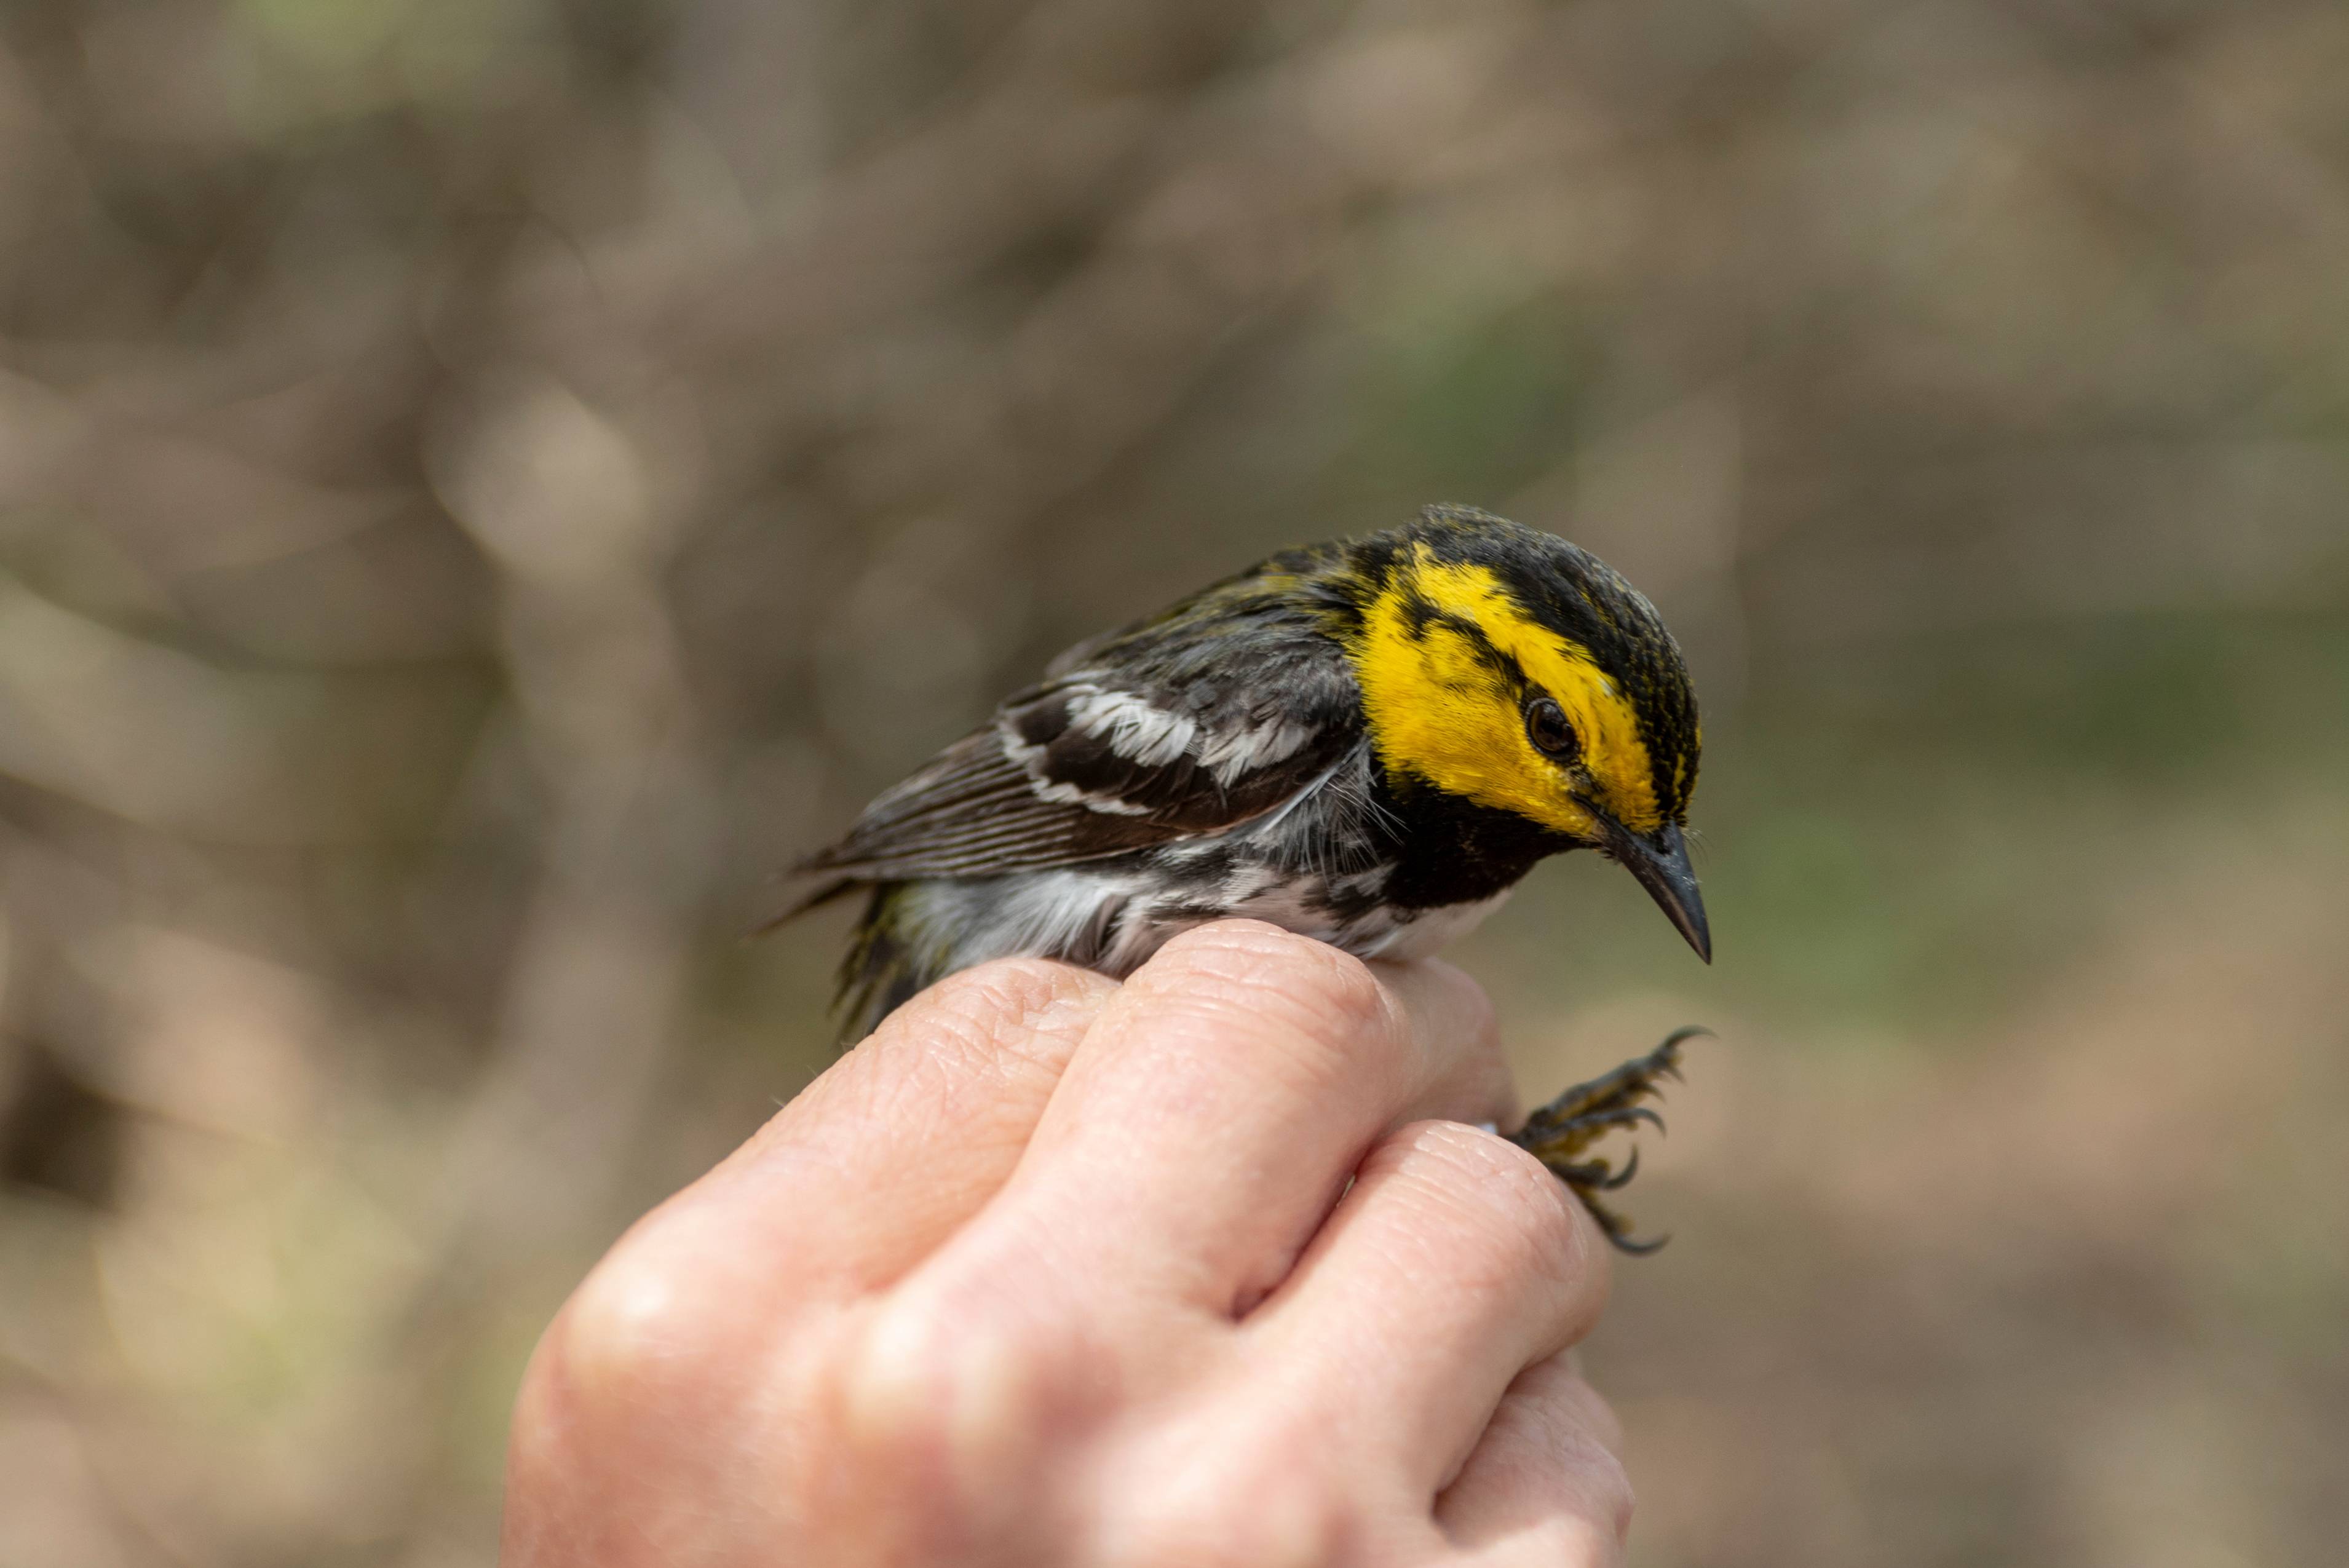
482, 482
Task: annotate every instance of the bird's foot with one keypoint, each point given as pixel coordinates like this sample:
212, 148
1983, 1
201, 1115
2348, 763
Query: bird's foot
1559, 1132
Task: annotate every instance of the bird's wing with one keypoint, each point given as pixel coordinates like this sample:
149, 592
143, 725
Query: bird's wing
1164, 733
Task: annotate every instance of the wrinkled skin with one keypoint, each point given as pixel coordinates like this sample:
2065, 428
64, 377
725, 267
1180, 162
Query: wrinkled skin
1053, 1270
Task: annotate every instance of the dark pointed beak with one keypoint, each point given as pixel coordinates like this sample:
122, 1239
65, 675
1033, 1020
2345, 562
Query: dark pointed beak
1659, 859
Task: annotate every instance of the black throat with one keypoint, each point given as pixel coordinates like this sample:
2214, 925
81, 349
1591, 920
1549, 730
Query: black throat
1451, 850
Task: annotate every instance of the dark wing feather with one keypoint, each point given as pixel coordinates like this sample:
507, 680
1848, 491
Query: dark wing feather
971, 811
1217, 712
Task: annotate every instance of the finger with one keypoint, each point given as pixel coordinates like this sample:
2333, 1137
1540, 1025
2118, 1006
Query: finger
1450, 1015
1455, 1262
844, 1191
1223, 1098
871, 1167
1546, 1483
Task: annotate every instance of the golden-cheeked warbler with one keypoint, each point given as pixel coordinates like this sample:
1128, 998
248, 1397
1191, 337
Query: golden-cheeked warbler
1369, 742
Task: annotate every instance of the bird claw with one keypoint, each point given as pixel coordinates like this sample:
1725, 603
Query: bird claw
1598, 1175
1617, 1229
1562, 1130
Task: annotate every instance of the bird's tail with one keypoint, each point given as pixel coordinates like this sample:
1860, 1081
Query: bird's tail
882, 971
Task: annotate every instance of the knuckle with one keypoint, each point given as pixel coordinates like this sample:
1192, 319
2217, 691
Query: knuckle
1595, 1492
1550, 1443
1234, 939
1266, 957
1583, 1496
1319, 995
980, 1009
1571, 1412
1007, 987
1502, 1201
1580, 1443
961, 1384
638, 1334
1344, 988
968, 1002
1612, 1497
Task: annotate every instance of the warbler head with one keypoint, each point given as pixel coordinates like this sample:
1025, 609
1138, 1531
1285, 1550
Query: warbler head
1509, 668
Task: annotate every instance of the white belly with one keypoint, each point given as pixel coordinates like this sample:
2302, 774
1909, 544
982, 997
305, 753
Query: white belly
1114, 919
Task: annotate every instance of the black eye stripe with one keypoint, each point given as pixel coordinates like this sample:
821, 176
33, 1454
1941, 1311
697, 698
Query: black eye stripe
1548, 728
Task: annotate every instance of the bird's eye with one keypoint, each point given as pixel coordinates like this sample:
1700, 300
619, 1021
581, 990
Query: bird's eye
1547, 729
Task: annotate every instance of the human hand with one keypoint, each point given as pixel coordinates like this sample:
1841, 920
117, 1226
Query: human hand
1052, 1270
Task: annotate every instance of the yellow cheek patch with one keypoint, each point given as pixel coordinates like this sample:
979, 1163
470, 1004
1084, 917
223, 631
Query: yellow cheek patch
1440, 709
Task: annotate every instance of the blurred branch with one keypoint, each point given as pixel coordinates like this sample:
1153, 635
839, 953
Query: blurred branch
560, 497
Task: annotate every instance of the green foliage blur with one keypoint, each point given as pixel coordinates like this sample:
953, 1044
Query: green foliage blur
484, 483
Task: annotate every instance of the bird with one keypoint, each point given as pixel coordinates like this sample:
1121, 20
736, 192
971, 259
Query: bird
1369, 741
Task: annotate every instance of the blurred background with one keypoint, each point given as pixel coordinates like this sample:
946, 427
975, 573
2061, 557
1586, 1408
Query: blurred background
485, 482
